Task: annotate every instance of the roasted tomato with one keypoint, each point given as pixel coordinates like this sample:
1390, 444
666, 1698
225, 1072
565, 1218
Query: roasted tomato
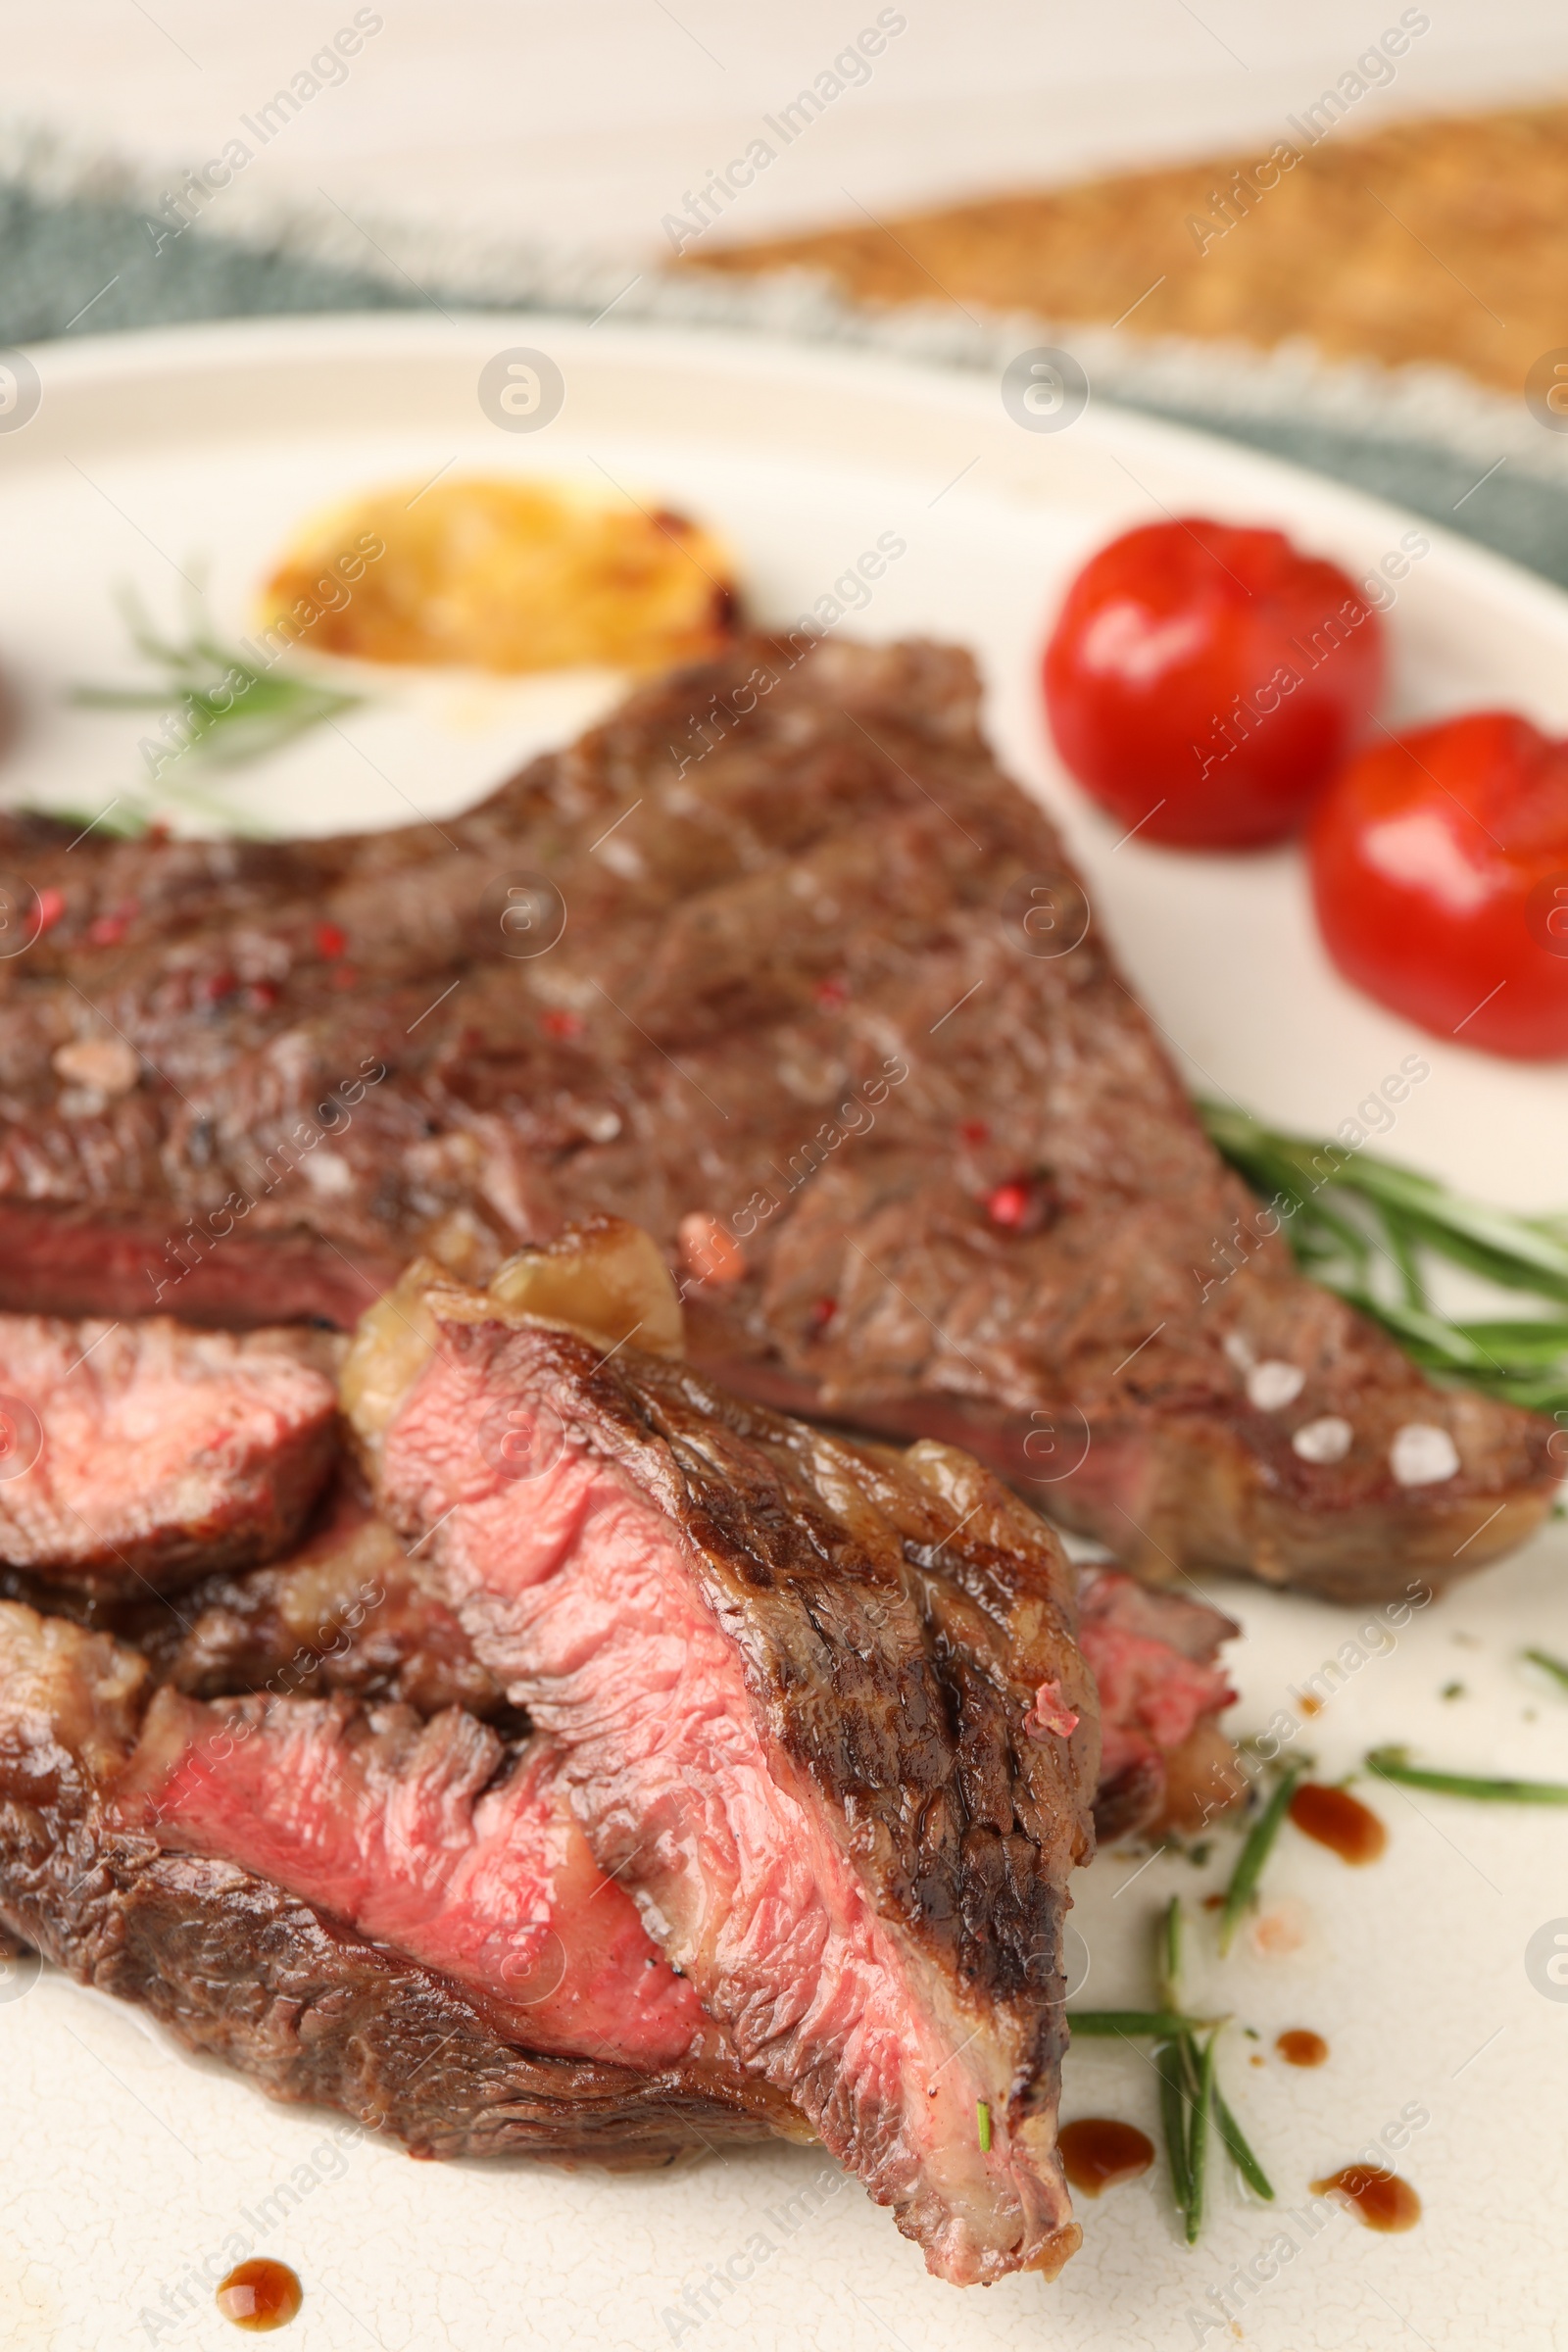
1205, 682
1440, 868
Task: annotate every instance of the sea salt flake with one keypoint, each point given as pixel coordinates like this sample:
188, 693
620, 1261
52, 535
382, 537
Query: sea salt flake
1272, 1385
1327, 1440
1423, 1454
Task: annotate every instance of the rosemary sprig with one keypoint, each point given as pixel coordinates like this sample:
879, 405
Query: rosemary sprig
1190, 2095
226, 707
1186, 2080
1390, 1764
1133, 2025
1256, 1850
1550, 1665
1373, 1246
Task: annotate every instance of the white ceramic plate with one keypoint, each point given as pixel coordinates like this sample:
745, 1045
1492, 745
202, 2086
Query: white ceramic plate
131, 2174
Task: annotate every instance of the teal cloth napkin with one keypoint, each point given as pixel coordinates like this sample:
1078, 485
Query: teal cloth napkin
83, 268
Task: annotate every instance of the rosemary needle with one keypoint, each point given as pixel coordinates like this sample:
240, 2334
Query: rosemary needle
1253, 1854
1197, 2145
1241, 2154
1388, 1764
1171, 2067
1551, 1665
1372, 1243
1133, 2025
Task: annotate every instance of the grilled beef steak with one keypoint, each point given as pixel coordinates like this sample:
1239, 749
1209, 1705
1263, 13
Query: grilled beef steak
1164, 1763
279, 1988
819, 1709
350, 1611
430, 1836
829, 1015
136, 1455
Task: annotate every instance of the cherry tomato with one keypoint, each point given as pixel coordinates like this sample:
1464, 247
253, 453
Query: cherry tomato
1205, 682
1440, 868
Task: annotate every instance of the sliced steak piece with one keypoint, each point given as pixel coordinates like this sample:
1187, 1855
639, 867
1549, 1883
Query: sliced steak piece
820, 1710
138, 1455
828, 990
1164, 1763
310, 2009
432, 1837
349, 1611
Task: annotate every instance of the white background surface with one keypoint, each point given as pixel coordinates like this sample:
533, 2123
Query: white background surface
525, 121
124, 2166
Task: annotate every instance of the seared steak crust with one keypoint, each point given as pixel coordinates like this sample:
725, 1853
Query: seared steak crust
237, 1969
829, 981
891, 1646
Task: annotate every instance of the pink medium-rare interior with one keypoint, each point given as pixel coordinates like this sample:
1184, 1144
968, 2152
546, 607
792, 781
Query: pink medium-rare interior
581, 1598
1151, 1694
132, 1436
399, 1835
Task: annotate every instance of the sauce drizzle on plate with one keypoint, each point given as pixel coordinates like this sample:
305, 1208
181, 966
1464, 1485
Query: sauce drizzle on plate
1339, 1821
261, 2295
1097, 2152
1380, 2199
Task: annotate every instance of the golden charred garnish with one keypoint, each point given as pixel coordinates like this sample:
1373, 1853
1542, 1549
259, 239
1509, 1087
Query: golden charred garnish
504, 575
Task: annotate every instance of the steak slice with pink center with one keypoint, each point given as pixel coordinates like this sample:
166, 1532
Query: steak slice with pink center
281, 1987
144, 1454
1164, 1763
418, 1837
798, 1712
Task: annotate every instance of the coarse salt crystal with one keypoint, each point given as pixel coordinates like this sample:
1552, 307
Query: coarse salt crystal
1423, 1454
1273, 1385
1327, 1440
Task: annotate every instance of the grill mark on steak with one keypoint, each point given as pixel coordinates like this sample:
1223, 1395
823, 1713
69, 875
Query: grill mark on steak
769, 1719
150, 1453
816, 902
238, 1969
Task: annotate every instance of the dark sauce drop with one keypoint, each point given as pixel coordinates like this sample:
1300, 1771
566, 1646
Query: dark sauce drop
1338, 1821
1299, 2048
1097, 2152
260, 2295
1381, 2199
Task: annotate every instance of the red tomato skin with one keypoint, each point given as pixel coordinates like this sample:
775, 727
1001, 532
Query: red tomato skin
1204, 682
1440, 875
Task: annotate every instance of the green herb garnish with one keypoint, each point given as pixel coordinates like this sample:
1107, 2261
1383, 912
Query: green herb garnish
1133, 2025
1197, 2141
1240, 2155
1190, 2095
1367, 1228
1255, 1854
1550, 1665
1186, 2080
223, 704
1175, 2100
1390, 1764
